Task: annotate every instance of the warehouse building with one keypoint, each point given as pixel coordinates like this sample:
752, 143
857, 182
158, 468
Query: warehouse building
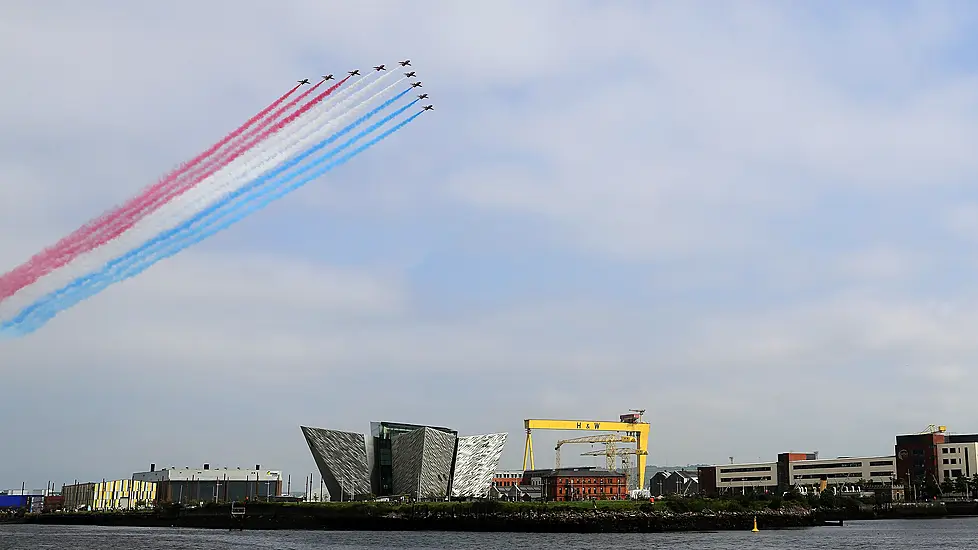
78, 496
198, 485
802, 470
677, 482
123, 494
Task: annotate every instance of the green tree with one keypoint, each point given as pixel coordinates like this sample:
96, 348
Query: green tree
961, 485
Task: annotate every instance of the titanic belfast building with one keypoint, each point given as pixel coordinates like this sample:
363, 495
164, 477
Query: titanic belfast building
423, 462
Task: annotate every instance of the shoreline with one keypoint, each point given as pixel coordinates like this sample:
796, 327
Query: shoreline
483, 517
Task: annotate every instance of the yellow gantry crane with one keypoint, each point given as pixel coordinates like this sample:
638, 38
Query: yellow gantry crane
608, 439
610, 452
631, 424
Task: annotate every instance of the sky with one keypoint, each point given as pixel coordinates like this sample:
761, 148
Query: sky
756, 221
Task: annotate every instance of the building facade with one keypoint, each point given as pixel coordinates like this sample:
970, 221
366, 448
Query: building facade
78, 496
678, 482
841, 471
507, 478
421, 463
405, 459
957, 459
195, 485
123, 494
567, 484
342, 461
917, 457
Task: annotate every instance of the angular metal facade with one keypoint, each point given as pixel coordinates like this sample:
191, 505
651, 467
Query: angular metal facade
422, 462
342, 461
475, 464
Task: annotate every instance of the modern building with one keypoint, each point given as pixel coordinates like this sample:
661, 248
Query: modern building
756, 477
796, 470
586, 483
405, 459
342, 459
123, 494
931, 458
842, 471
676, 482
957, 458
194, 485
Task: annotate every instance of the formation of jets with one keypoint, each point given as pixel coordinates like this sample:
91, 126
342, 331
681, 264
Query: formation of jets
356, 72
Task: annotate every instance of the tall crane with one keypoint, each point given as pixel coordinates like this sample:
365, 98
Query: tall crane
608, 439
631, 424
610, 452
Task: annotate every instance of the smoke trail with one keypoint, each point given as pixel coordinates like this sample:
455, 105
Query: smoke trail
174, 211
137, 254
24, 274
123, 221
18, 327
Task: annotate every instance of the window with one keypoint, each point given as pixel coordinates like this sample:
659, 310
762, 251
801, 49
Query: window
946, 461
881, 463
944, 450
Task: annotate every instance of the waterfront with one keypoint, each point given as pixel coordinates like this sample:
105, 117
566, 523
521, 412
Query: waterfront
882, 535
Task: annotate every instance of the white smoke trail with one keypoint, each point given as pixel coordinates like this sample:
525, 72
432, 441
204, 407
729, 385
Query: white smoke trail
312, 127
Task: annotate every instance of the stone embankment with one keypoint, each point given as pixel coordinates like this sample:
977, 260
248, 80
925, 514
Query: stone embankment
443, 518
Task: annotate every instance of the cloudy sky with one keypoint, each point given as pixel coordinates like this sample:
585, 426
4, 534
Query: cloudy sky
757, 221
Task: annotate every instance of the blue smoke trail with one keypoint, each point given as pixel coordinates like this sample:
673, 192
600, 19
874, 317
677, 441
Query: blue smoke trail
42, 317
213, 213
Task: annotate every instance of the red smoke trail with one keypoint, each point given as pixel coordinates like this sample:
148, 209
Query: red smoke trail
81, 239
220, 156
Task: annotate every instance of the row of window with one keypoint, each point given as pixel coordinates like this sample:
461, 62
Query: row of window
950, 450
745, 469
849, 475
828, 466
735, 479
587, 491
951, 461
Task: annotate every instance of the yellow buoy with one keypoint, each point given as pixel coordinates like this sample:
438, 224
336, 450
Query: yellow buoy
754, 530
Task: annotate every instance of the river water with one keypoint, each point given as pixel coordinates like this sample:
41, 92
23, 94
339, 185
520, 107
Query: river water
898, 534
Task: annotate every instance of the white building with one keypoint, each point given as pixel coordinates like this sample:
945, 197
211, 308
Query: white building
188, 485
842, 470
757, 477
956, 460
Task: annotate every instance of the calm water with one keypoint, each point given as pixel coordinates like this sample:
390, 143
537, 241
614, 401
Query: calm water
918, 534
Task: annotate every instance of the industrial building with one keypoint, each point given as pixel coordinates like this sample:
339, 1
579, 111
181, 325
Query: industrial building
424, 462
195, 485
123, 494
507, 478
78, 496
677, 482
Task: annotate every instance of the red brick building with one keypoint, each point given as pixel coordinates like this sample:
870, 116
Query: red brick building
507, 479
578, 484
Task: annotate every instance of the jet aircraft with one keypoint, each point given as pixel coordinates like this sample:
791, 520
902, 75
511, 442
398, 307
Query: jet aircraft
416, 84
422, 96
304, 81
328, 77
409, 75
405, 63
355, 73
428, 107
379, 68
